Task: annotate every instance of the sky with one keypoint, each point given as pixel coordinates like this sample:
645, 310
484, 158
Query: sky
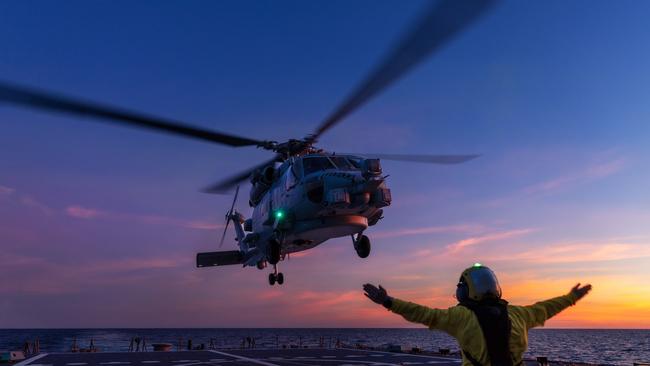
99, 224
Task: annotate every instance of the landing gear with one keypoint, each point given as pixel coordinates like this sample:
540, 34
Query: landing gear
276, 277
361, 245
274, 251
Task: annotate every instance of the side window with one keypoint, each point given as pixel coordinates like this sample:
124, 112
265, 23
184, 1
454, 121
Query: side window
290, 180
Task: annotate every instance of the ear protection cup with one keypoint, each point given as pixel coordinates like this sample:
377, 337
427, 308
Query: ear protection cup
462, 292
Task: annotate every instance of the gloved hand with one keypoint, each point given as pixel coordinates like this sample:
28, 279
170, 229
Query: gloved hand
580, 292
378, 295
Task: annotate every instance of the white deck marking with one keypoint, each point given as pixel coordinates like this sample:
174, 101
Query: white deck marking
365, 362
31, 359
357, 356
259, 362
150, 361
185, 361
76, 363
445, 359
115, 363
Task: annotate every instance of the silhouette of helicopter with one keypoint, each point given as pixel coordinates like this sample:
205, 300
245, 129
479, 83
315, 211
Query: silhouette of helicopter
303, 195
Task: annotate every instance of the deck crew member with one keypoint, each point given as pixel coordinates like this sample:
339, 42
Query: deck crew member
489, 331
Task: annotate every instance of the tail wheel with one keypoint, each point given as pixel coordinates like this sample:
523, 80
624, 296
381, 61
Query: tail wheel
362, 246
280, 278
274, 251
272, 279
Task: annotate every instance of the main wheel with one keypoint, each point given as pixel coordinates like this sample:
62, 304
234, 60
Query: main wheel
274, 251
280, 278
362, 246
271, 279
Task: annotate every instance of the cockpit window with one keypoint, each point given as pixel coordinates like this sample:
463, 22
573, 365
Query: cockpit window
356, 162
342, 163
316, 164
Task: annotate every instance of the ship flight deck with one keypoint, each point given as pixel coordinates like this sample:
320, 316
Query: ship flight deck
267, 357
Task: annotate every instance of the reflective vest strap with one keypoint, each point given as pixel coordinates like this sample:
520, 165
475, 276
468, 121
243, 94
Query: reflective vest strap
495, 324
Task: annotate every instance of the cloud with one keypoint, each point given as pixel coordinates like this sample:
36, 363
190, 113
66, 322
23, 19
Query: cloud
25, 200
475, 240
585, 175
6, 191
34, 203
86, 213
59, 277
428, 230
575, 177
565, 253
82, 212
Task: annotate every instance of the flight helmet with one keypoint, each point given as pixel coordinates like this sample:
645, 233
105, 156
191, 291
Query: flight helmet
478, 283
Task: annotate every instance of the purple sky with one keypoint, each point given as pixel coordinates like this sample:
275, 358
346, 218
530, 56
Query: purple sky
99, 225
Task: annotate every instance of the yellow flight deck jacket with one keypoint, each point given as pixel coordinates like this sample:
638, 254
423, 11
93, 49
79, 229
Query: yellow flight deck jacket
461, 323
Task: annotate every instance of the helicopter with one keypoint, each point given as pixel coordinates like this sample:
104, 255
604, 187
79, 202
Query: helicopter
304, 195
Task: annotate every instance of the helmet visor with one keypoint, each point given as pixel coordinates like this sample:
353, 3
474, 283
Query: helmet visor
485, 283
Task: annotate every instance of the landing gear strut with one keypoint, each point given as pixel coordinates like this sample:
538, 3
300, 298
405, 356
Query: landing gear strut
276, 276
274, 251
361, 245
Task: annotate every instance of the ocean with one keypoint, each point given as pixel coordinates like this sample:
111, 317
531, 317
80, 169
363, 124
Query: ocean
600, 346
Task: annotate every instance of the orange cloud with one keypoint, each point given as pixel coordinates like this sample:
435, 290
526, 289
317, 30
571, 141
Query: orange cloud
578, 252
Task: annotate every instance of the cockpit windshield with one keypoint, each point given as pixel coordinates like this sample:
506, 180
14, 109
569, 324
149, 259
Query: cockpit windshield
316, 164
342, 163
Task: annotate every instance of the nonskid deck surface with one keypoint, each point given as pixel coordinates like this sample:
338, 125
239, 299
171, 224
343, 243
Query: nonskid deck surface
268, 357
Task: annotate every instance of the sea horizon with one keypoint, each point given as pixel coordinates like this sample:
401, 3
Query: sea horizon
597, 346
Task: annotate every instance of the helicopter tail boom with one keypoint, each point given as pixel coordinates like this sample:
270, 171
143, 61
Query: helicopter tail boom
224, 258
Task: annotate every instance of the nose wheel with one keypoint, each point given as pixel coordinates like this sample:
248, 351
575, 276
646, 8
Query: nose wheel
361, 245
276, 277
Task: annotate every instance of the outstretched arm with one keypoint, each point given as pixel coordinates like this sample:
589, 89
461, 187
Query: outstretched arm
538, 313
442, 319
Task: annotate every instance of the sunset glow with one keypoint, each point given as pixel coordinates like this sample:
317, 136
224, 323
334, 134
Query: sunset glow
99, 225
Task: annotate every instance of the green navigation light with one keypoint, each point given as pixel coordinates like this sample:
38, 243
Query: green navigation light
279, 214
478, 265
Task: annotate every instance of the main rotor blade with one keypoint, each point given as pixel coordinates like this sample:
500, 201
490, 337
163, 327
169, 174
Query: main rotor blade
440, 24
430, 159
49, 101
225, 185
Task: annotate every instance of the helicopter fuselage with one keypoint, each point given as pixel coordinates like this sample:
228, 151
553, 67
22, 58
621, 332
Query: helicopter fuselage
312, 198
317, 197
